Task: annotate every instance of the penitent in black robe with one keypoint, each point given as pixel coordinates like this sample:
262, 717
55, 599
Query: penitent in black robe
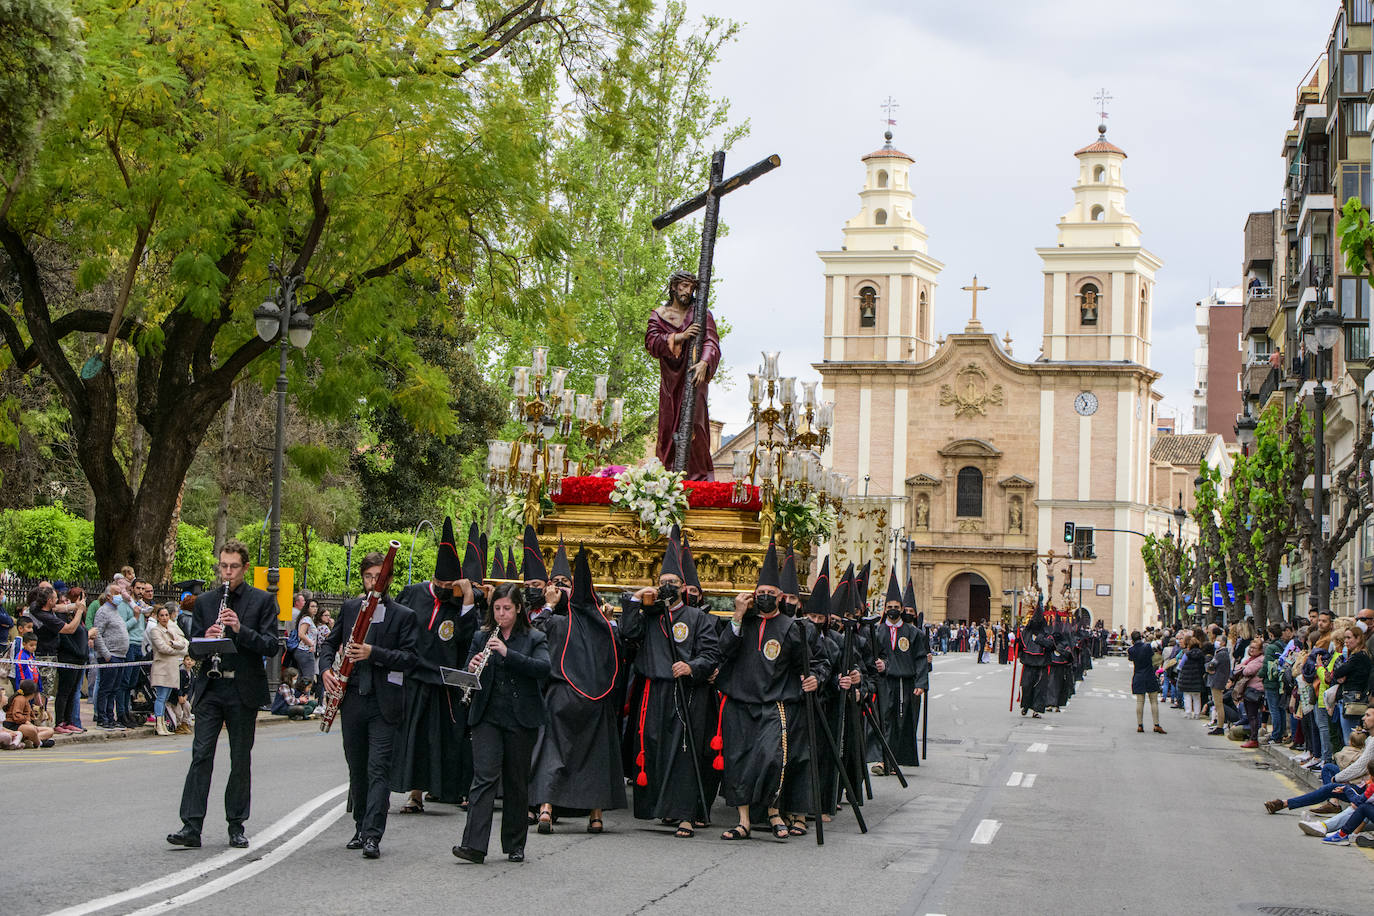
655, 737
803, 748
433, 751
761, 669
906, 664
576, 761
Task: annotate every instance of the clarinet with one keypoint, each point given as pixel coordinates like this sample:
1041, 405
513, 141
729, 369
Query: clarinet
213, 673
481, 663
343, 667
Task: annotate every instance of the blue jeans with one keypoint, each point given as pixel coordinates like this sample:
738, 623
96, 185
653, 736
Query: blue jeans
1323, 731
107, 704
1347, 723
1278, 715
160, 695
1325, 793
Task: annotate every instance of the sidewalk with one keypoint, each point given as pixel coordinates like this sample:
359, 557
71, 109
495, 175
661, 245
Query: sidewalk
95, 733
1285, 760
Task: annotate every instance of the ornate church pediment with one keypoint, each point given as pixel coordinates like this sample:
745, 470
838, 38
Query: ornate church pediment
1016, 482
923, 482
970, 448
971, 393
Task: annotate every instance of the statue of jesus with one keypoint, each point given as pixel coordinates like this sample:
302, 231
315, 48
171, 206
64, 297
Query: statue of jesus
668, 338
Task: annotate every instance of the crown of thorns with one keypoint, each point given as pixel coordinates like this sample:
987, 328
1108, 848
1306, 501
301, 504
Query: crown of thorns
681, 275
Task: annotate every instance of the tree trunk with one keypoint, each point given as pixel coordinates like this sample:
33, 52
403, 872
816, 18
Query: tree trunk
225, 456
169, 544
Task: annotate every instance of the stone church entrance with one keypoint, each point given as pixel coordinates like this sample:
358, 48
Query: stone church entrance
969, 598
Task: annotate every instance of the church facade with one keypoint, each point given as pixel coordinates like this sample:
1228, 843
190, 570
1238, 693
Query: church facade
979, 458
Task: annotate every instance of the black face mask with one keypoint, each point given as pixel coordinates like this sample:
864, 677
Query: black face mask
534, 597
788, 606
894, 614
668, 595
765, 604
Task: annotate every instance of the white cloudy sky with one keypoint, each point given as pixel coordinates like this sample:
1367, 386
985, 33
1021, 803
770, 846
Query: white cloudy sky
995, 97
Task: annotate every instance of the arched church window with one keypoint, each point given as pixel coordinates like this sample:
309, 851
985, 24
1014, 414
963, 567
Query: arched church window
921, 315
880, 217
1100, 174
1087, 304
969, 495
1098, 214
868, 307
1143, 327
882, 178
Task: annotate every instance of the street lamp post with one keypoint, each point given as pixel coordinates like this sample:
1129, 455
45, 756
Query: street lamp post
349, 539
1326, 333
292, 327
1180, 515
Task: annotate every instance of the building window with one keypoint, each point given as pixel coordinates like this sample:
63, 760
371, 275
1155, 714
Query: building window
1100, 174
1083, 547
1355, 182
1355, 298
921, 313
868, 307
882, 178
1355, 74
1360, 11
1356, 117
969, 499
1098, 214
1087, 304
880, 217
1356, 342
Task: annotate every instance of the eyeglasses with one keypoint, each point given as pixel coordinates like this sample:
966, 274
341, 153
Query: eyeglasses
231, 566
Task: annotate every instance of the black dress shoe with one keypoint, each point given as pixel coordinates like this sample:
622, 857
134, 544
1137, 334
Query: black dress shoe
185, 837
371, 849
237, 838
467, 853
356, 842
517, 856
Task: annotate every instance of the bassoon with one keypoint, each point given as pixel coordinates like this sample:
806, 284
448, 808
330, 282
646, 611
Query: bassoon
343, 665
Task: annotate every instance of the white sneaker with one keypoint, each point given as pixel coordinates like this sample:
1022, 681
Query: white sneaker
1313, 828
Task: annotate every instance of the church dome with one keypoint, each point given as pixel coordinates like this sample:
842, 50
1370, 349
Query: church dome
888, 151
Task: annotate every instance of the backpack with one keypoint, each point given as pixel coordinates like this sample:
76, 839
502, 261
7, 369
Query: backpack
293, 640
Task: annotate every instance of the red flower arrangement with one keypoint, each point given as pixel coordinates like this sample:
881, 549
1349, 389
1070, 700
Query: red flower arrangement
701, 494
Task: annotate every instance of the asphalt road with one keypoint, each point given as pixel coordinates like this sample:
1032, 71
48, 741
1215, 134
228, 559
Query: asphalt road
1074, 813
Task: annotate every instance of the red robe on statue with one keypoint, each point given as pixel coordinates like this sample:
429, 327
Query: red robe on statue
672, 369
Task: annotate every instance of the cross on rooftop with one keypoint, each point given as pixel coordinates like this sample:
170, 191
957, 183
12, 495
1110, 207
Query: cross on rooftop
975, 289
1102, 98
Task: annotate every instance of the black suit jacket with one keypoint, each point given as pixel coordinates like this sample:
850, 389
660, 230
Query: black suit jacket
527, 658
255, 641
393, 652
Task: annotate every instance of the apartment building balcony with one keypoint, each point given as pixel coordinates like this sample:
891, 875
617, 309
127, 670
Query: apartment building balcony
1259, 240
1271, 384
1260, 308
1254, 374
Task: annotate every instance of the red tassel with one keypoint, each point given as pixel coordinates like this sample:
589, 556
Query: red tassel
642, 779
716, 743
639, 761
718, 763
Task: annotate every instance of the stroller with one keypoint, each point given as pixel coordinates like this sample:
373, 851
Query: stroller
141, 695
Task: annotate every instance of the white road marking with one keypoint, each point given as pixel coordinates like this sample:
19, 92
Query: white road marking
209, 865
1029, 781
252, 868
937, 696
968, 683
1038, 748
952, 689
1049, 728
987, 829
1015, 779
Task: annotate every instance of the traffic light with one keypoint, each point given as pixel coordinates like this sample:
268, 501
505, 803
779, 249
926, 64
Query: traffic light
1068, 532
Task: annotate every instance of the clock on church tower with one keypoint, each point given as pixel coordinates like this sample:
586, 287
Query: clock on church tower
1085, 404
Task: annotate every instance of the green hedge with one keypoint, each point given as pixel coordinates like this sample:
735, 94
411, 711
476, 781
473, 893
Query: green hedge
49, 542
327, 560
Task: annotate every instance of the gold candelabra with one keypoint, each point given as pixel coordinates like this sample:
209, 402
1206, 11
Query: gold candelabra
791, 428
533, 463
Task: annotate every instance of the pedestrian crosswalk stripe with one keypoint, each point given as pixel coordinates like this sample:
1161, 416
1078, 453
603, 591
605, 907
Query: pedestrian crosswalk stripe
1038, 748
1029, 781
1015, 779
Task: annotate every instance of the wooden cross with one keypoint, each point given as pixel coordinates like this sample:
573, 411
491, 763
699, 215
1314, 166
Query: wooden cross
1102, 98
890, 106
975, 289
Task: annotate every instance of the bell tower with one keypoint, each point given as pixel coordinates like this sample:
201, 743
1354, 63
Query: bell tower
880, 285
1099, 279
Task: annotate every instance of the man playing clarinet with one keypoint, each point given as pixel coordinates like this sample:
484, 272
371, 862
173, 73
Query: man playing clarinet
372, 702
232, 700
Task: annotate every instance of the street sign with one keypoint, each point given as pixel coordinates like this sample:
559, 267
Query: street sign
1216, 594
1335, 580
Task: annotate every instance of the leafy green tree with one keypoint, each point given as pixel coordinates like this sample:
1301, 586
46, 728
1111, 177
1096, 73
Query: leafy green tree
387, 152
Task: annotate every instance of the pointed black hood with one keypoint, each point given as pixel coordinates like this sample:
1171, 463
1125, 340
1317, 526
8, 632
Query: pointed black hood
585, 655
532, 563
819, 600
472, 556
498, 565
768, 572
672, 555
485, 549
909, 598
689, 566
843, 594
512, 568
787, 576
861, 589
446, 565
894, 591
560, 562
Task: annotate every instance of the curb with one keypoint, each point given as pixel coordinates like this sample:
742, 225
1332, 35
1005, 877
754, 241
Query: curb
96, 735
1283, 760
